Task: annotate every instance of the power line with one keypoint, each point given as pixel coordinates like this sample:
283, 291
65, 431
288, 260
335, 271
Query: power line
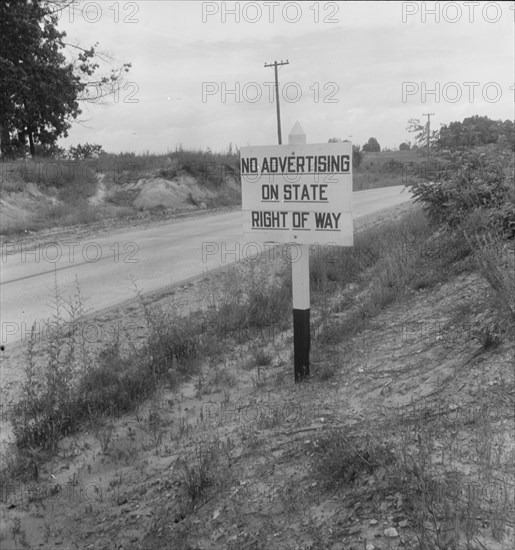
275, 64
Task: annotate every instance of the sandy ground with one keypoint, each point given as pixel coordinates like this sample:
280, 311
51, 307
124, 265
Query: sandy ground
120, 486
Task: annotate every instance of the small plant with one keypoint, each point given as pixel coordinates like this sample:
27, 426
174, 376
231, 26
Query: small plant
495, 262
220, 379
269, 419
19, 533
339, 459
192, 200
46, 409
104, 435
156, 423
326, 371
260, 380
262, 358
198, 472
249, 436
490, 337
47, 532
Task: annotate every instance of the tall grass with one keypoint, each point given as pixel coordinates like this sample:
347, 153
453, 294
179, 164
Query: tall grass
385, 266
66, 176
207, 167
74, 386
386, 169
401, 460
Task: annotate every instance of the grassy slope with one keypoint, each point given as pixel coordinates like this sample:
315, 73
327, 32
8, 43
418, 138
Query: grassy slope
402, 437
47, 193
44, 194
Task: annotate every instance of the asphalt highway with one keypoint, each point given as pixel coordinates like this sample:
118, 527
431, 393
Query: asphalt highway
107, 268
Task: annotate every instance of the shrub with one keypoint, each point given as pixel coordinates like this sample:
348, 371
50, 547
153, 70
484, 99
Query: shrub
339, 459
198, 472
393, 166
86, 151
477, 181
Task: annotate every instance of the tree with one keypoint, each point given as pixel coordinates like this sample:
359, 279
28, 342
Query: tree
86, 151
479, 188
372, 146
41, 87
476, 130
420, 130
357, 156
404, 146
508, 133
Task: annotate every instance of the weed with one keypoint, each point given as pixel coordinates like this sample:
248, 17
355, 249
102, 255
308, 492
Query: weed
220, 379
46, 409
73, 387
249, 436
490, 337
156, 423
262, 358
47, 532
198, 472
269, 419
339, 329
200, 384
326, 371
340, 459
495, 261
104, 435
192, 200
19, 534
260, 380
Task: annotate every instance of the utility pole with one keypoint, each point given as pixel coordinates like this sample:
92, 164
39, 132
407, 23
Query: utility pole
429, 115
275, 65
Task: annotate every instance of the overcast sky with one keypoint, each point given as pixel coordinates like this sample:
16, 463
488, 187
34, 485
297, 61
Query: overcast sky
357, 69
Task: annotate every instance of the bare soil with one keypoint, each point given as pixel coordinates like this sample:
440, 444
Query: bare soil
121, 485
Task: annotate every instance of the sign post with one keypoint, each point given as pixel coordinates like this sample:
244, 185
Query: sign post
300, 291
301, 195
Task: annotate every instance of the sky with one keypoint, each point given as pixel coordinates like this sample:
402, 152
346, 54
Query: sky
355, 70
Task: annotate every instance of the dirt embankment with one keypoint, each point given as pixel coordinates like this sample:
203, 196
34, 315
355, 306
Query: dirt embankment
397, 428
104, 199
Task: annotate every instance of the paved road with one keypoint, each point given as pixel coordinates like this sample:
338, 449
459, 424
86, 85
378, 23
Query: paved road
153, 257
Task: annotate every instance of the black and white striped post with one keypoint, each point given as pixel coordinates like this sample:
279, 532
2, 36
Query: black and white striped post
298, 195
300, 287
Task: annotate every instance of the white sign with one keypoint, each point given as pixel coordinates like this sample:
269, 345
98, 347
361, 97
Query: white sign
298, 193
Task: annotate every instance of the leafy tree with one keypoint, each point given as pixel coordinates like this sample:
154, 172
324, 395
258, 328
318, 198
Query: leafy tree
86, 151
474, 183
50, 150
420, 131
357, 156
41, 87
404, 146
476, 130
372, 146
508, 133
